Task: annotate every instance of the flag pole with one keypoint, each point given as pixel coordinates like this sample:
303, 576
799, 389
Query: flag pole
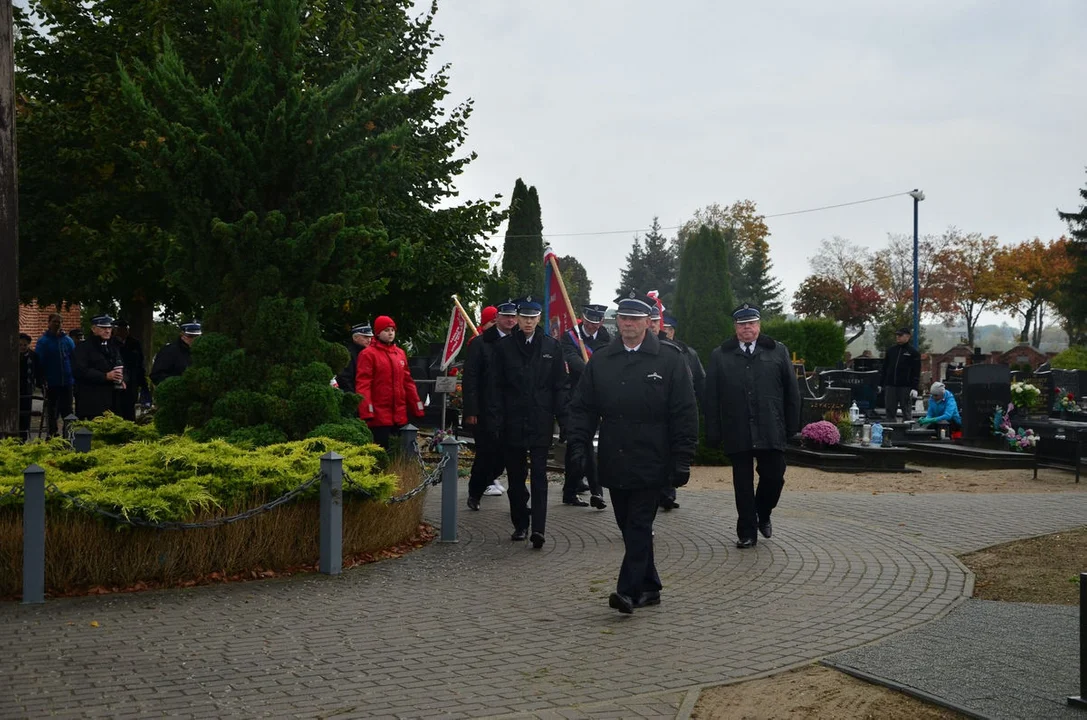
465, 316
569, 306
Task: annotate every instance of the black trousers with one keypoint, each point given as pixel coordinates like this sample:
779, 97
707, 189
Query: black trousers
635, 511
517, 471
487, 465
895, 397
572, 483
751, 505
126, 402
58, 405
383, 433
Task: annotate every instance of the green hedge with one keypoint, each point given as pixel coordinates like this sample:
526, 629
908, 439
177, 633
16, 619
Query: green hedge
1074, 358
174, 477
819, 342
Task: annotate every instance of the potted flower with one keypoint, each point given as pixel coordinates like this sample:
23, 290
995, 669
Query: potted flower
821, 434
1065, 403
1025, 396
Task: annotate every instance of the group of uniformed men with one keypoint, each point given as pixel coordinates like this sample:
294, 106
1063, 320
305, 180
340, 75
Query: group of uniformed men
639, 395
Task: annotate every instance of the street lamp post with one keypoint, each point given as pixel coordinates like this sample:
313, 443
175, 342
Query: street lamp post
917, 196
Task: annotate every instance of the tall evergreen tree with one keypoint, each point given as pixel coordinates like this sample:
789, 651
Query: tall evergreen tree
522, 250
762, 289
651, 265
704, 300
633, 274
578, 285
1071, 301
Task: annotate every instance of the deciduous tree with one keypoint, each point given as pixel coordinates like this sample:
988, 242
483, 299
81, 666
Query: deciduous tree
966, 278
1027, 276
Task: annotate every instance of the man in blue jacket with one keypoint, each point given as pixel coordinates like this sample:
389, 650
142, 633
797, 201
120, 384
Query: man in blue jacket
54, 349
942, 408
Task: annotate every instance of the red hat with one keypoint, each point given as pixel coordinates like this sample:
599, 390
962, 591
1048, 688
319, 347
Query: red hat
382, 322
488, 315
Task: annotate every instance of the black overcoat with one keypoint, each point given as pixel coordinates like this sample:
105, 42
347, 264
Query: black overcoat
644, 406
530, 387
94, 394
172, 360
476, 389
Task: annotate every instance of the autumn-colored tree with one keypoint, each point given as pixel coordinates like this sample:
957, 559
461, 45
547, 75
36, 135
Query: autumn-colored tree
891, 269
1027, 276
855, 306
967, 279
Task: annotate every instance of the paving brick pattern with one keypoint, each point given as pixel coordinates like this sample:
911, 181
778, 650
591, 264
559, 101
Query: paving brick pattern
487, 627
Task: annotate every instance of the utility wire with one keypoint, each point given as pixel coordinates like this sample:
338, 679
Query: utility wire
677, 227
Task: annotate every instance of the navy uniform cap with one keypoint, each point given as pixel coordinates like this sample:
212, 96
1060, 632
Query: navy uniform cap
507, 308
363, 329
669, 320
192, 328
634, 304
75, 332
102, 321
594, 313
903, 331
528, 307
654, 311
746, 313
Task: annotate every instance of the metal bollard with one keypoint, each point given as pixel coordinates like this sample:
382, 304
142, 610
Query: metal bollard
1080, 701
81, 440
331, 513
451, 450
33, 535
408, 435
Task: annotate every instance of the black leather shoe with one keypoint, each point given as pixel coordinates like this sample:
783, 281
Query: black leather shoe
537, 540
597, 501
473, 503
583, 487
576, 502
667, 505
652, 597
744, 543
621, 603
766, 529
519, 535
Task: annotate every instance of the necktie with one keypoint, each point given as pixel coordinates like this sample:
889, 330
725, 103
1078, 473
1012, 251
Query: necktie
747, 349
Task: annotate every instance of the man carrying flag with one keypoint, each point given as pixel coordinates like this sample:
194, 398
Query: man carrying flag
593, 337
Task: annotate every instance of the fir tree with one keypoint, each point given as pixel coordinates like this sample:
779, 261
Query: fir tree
1072, 300
633, 275
763, 290
522, 250
651, 265
578, 285
704, 300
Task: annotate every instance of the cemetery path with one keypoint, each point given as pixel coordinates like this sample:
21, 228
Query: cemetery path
487, 627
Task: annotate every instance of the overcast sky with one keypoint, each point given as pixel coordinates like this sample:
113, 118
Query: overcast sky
621, 110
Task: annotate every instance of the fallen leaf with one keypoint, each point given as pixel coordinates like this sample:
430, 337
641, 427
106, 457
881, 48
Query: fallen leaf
94, 623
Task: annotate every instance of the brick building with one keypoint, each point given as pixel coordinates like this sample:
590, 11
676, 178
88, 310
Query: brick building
1020, 355
34, 319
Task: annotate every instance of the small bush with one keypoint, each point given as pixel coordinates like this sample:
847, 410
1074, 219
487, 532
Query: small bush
349, 431
1074, 358
256, 436
111, 429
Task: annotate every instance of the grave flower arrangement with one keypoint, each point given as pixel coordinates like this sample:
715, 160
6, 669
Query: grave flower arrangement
1018, 439
1025, 396
820, 434
1066, 401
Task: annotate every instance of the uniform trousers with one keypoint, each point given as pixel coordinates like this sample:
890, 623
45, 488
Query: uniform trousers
488, 463
571, 487
754, 506
518, 461
635, 511
895, 397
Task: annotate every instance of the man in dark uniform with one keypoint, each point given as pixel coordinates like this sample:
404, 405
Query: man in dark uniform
175, 358
640, 396
667, 336
477, 391
901, 374
99, 372
132, 354
752, 406
361, 337
530, 383
594, 336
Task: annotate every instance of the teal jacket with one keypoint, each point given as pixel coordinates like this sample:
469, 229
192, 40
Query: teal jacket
946, 409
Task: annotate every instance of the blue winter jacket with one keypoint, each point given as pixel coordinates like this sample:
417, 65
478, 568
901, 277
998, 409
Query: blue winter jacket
55, 353
946, 409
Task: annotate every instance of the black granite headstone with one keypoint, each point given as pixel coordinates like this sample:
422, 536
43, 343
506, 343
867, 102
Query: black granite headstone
1044, 382
812, 409
985, 388
868, 364
1068, 381
862, 385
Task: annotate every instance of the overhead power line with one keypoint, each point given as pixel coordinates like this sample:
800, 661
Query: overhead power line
677, 227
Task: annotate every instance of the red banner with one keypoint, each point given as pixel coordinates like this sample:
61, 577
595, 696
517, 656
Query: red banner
557, 314
454, 339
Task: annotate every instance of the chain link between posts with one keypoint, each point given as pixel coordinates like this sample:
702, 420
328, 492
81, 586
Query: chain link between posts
430, 478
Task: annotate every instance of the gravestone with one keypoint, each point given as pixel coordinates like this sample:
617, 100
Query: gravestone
862, 385
1069, 381
812, 409
1044, 382
985, 388
868, 364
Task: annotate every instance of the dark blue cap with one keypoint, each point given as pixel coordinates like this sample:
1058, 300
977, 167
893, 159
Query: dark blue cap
507, 308
119, 322
594, 313
746, 313
363, 329
669, 320
654, 311
102, 321
634, 304
192, 328
528, 307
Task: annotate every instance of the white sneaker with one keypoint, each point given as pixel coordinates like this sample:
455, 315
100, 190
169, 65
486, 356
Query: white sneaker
494, 489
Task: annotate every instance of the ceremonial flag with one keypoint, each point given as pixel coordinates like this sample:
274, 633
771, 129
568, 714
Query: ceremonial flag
557, 314
454, 339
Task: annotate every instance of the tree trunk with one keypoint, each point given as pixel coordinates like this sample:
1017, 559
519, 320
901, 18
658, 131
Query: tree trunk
1039, 323
1028, 317
859, 333
141, 319
9, 234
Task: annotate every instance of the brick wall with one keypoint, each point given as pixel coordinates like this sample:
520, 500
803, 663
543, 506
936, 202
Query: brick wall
34, 319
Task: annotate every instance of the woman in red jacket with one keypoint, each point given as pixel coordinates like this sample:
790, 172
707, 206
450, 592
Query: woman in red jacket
383, 380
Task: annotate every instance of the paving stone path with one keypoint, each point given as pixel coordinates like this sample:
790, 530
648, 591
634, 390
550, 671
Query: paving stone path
487, 627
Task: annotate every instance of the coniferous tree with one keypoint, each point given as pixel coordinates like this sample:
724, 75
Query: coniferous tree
522, 251
704, 300
578, 285
651, 265
1071, 301
633, 274
762, 289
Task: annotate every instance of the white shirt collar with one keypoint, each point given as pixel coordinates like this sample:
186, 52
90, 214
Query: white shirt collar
632, 349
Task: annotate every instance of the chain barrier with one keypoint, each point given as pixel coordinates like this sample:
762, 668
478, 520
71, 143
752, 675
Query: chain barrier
174, 525
434, 477
14, 491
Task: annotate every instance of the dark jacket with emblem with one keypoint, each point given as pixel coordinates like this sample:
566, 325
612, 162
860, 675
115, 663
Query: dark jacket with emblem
901, 366
172, 360
751, 403
529, 390
644, 406
572, 353
94, 393
476, 387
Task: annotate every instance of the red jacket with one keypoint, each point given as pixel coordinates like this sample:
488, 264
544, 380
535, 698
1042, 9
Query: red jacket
384, 382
